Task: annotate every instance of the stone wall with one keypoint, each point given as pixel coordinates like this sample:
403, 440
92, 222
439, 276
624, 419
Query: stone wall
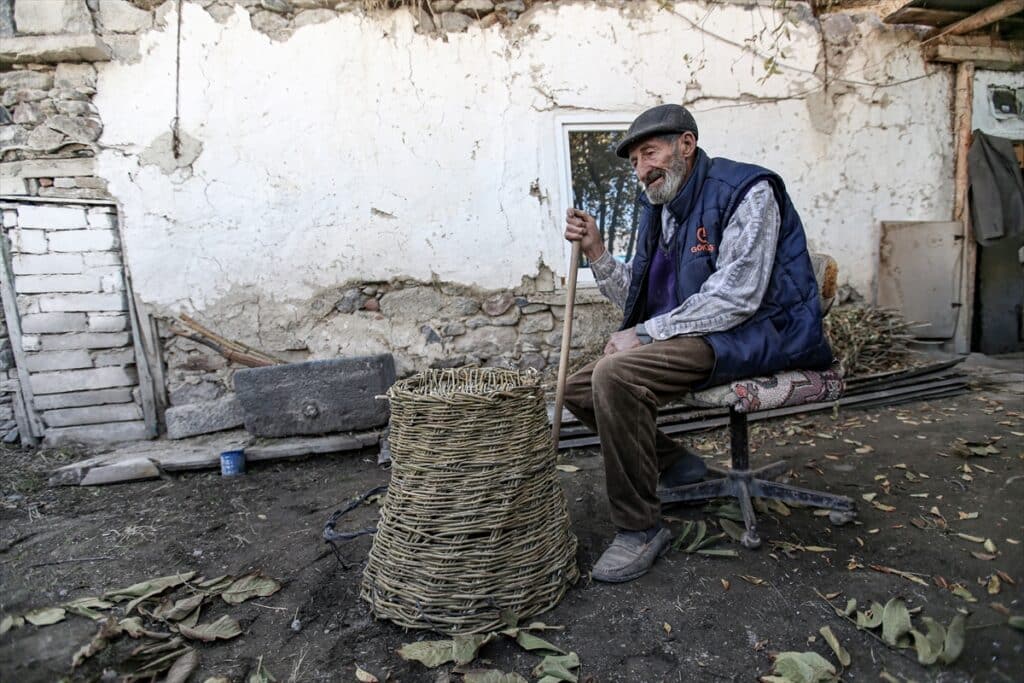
8, 425
72, 306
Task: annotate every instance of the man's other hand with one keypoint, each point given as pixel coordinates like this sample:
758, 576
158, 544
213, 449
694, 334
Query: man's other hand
622, 340
581, 227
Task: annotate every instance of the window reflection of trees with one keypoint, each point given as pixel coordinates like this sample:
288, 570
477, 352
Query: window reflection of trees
604, 186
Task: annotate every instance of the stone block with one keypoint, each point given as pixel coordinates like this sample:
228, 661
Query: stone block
49, 284
29, 242
313, 16
52, 16
418, 304
85, 340
537, 322
83, 240
73, 76
99, 322
82, 302
203, 418
475, 7
66, 184
131, 469
24, 79
195, 393
48, 361
46, 264
316, 397
111, 432
81, 380
78, 399
120, 16
486, 342
50, 323
31, 342
455, 21
51, 217
124, 356
50, 168
70, 417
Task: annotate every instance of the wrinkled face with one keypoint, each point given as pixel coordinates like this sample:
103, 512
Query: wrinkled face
661, 165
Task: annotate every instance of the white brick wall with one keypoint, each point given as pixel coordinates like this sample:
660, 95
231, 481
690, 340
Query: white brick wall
72, 300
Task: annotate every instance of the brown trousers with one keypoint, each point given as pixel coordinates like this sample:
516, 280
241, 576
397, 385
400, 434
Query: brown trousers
618, 397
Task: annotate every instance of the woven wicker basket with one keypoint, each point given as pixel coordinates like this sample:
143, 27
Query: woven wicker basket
474, 521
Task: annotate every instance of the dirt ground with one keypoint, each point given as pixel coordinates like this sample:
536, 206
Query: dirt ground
692, 618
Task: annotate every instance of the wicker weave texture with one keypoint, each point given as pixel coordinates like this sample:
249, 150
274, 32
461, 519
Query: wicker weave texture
474, 521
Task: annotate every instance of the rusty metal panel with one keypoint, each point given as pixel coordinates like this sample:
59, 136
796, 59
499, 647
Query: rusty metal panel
919, 274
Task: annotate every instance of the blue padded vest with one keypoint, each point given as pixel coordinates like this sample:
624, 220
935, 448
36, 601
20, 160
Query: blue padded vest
786, 331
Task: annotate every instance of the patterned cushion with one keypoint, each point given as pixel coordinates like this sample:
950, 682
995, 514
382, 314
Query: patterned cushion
790, 388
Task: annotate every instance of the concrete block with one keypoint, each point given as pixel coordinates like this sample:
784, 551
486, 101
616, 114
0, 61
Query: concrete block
10, 218
13, 186
82, 302
113, 282
316, 397
203, 418
70, 417
48, 323
120, 16
48, 361
47, 264
51, 284
124, 356
28, 241
51, 217
107, 323
31, 342
85, 340
101, 259
78, 399
52, 16
83, 240
134, 469
111, 432
102, 219
80, 380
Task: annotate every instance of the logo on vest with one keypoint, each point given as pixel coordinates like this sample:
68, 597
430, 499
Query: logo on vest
702, 242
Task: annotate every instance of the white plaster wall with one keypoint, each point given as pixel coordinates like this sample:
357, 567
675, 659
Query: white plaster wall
361, 150
982, 117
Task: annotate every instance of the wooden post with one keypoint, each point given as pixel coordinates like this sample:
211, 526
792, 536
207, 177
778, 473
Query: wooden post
30, 427
961, 211
563, 360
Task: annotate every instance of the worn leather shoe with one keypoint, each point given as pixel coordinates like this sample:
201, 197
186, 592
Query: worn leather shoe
631, 555
690, 468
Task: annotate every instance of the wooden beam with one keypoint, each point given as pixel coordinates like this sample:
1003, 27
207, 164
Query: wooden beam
30, 427
983, 51
978, 20
963, 109
921, 16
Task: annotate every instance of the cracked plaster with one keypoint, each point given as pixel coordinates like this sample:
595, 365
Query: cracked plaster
359, 150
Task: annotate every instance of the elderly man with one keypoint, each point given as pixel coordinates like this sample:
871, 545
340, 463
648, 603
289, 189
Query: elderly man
721, 287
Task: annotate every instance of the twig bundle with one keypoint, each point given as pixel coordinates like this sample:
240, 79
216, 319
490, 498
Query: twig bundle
474, 522
867, 339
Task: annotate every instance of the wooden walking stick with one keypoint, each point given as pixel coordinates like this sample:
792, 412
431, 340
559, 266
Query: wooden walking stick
563, 361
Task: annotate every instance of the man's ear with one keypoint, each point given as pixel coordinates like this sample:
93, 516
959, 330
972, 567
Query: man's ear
687, 144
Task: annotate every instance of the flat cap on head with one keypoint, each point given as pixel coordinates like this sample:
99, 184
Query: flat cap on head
660, 120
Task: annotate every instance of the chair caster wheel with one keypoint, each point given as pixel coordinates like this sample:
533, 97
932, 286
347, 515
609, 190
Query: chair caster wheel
750, 540
841, 517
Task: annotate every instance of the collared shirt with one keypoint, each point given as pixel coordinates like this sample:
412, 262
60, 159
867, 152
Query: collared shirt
732, 293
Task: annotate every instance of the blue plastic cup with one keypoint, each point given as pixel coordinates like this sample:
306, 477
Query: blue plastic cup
232, 463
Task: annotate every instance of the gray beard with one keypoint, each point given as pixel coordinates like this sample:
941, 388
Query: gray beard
668, 189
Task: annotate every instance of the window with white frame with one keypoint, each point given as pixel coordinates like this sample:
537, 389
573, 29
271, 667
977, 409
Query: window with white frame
600, 183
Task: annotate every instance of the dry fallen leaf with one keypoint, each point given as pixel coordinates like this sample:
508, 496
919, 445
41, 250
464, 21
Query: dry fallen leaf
666, 627
754, 580
967, 515
365, 676
725, 584
567, 468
